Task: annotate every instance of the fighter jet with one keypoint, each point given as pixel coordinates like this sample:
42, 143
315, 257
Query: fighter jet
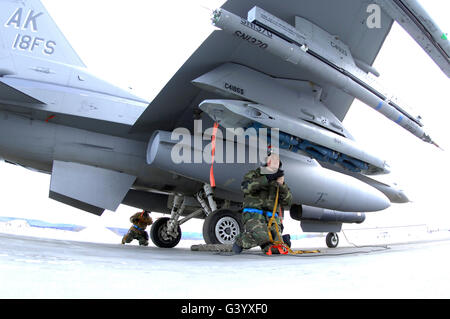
273, 76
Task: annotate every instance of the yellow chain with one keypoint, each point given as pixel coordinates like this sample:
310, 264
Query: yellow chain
280, 240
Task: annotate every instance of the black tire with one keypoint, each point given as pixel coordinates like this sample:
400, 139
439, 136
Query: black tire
222, 227
157, 234
332, 240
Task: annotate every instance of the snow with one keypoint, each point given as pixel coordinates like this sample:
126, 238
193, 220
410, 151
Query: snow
104, 233
45, 268
91, 263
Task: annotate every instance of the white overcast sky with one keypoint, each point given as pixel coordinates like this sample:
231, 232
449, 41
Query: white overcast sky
141, 44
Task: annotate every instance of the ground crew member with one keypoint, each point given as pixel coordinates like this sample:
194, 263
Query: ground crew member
140, 221
260, 188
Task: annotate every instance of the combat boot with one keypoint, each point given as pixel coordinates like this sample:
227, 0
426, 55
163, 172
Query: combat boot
287, 240
236, 248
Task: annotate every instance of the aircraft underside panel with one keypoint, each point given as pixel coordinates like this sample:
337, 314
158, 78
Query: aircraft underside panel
11, 95
88, 188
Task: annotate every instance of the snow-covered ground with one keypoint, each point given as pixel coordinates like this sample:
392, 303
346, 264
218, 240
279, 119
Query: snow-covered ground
32, 267
91, 263
101, 233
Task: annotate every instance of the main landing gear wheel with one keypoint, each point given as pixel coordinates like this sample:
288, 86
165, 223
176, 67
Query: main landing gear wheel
332, 240
160, 236
222, 227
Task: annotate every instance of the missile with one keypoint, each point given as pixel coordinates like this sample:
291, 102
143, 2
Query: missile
263, 39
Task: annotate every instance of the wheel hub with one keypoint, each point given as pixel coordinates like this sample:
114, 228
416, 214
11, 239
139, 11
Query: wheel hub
165, 235
227, 228
334, 240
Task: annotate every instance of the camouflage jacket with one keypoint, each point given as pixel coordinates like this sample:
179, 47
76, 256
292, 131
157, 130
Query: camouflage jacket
260, 193
141, 220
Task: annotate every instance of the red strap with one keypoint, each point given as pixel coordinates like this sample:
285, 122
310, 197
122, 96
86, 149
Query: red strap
212, 181
282, 249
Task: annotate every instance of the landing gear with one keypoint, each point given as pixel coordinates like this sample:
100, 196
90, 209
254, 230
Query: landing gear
166, 232
160, 235
332, 240
222, 227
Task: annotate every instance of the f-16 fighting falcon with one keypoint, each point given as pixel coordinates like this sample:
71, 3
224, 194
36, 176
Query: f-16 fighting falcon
273, 74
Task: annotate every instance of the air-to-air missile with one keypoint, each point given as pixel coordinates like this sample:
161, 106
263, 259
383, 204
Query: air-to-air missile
266, 32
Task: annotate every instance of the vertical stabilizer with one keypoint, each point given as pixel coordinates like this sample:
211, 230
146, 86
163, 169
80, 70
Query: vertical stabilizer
27, 30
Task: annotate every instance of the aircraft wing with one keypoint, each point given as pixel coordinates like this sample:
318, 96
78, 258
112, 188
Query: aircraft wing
175, 104
421, 27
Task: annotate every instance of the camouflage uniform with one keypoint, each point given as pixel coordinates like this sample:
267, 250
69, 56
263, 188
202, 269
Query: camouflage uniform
140, 222
260, 193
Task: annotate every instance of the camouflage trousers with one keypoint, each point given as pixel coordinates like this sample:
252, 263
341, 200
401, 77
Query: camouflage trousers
256, 232
133, 233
